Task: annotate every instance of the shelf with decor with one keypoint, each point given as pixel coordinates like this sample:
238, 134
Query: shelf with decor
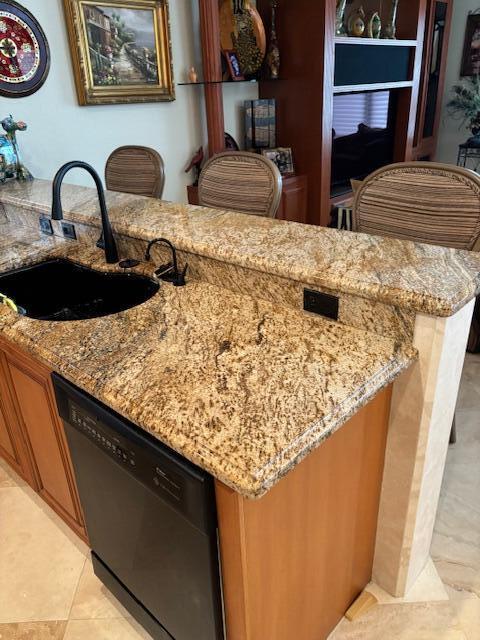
216, 31
215, 36
319, 102
204, 82
310, 97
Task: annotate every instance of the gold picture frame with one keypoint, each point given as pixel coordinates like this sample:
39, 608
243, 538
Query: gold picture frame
121, 50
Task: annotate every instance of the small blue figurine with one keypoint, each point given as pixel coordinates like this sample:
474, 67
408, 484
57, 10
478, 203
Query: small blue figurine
11, 167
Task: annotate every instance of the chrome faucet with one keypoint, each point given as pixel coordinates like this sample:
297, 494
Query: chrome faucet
106, 240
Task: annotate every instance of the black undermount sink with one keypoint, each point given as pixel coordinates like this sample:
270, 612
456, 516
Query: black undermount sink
59, 289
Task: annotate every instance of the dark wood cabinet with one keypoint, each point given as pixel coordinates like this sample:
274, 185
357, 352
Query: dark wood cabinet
293, 205
315, 66
29, 419
310, 61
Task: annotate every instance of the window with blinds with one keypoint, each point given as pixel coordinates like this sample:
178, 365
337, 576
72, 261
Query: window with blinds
352, 109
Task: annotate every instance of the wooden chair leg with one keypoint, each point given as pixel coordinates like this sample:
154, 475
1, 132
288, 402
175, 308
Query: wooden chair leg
453, 432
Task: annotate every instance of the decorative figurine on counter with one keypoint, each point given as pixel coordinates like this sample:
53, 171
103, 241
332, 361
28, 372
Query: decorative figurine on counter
196, 164
356, 23
391, 28
11, 167
374, 26
192, 75
339, 18
273, 55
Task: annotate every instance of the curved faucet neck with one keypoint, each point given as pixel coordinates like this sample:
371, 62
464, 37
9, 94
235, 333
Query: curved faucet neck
169, 245
57, 210
111, 253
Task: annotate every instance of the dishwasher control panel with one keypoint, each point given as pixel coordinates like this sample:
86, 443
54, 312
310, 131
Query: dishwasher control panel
153, 472
93, 429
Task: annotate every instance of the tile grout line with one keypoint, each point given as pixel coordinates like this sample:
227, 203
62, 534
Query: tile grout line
75, 592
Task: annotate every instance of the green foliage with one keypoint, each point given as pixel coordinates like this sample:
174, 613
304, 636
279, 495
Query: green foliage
123, 34
465, 103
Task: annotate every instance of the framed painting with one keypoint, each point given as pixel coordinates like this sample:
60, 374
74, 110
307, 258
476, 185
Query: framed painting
471, 48
283, 158
121, 50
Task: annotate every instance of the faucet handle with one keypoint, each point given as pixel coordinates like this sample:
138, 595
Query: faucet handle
164, 270
180, 277
167, 273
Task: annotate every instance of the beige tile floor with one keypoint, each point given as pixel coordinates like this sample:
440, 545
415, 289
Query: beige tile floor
48, 590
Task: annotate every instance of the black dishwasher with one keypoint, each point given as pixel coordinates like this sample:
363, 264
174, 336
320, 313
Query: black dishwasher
150, 518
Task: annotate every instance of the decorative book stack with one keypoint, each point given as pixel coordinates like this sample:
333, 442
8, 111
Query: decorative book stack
260, 124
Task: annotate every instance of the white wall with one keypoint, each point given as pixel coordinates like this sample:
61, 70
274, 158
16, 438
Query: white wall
60, 130
450, 135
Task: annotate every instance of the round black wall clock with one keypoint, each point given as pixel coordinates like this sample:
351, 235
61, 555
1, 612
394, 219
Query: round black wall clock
24, 51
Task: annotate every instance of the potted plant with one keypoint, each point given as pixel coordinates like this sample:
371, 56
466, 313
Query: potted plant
465, 106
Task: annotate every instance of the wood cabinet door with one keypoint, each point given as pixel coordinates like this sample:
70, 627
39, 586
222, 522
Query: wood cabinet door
293, 205
35, 405
13, 447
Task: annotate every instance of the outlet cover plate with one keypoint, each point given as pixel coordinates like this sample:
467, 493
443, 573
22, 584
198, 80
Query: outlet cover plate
321, 303
68, 230
46, 225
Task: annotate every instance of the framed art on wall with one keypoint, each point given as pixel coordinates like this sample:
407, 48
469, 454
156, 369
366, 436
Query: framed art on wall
121, 50
471, 48
24, 51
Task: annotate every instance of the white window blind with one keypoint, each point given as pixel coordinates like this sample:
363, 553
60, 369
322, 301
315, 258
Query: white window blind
352, 109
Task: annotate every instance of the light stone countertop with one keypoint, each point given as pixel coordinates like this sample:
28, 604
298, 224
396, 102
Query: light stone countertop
423, 278
243, 388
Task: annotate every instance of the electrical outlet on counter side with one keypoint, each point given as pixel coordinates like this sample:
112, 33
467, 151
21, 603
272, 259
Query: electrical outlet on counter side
321, 303
46, 225
68, 230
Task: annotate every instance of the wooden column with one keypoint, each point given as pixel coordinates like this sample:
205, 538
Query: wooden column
304, 93
411, 21
212, 70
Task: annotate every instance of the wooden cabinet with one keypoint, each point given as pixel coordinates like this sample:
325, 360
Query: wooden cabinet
29, 416
295, 560
13, 446
306, 88
293, 205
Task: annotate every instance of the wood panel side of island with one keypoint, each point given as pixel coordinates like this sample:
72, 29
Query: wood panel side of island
294, 561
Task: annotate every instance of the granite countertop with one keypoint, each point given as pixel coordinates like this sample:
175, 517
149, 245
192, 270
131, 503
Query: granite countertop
243, 388
21, 245
424, 278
